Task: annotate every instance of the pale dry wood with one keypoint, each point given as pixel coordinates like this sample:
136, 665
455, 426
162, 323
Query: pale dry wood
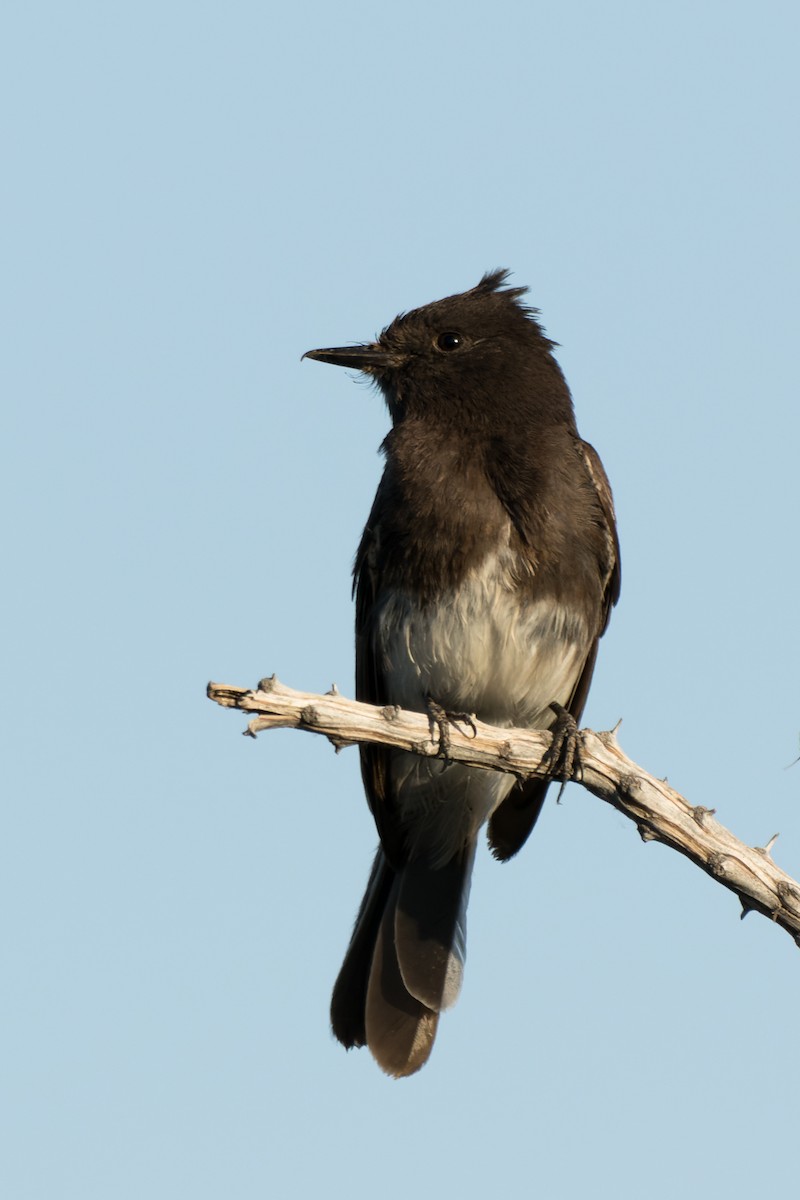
659, 812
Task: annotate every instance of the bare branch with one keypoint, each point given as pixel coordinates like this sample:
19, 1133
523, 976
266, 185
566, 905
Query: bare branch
659, 812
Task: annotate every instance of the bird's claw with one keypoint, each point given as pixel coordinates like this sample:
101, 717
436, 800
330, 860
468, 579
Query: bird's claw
440, 719
563, 759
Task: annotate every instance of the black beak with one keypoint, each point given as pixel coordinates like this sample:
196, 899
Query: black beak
364, 358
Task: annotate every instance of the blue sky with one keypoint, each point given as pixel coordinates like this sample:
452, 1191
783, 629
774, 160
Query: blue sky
194, 195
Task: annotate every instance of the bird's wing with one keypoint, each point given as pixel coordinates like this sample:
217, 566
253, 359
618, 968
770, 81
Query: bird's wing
371, 686
603, 490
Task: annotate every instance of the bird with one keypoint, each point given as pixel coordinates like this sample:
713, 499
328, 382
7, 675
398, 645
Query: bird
483, 580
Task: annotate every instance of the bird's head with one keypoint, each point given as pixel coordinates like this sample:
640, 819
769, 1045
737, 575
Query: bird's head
475, 354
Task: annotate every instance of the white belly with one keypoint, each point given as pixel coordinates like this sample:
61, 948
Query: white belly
483, 648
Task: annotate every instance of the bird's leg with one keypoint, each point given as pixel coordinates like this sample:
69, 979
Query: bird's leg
439, 718
563, 759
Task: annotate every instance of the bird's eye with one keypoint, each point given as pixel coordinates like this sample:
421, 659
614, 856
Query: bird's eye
450, 341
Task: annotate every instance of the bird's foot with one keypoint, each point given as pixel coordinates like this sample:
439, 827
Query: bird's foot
563, 759
439, 718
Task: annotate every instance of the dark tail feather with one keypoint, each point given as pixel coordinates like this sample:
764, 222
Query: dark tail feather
405, 961
431, 928
400, 1028
349, 1000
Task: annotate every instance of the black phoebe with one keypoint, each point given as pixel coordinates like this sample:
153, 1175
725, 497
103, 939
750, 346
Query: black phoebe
484, 578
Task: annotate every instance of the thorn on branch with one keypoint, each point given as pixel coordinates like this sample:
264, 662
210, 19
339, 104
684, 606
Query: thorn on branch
339, 743
262, 721
609, 736
767, 850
